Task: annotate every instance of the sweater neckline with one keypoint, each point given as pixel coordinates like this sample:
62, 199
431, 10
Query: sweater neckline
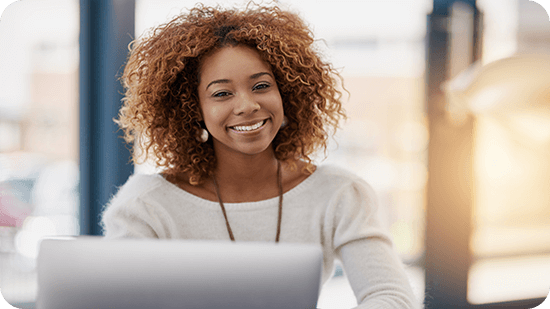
289, 194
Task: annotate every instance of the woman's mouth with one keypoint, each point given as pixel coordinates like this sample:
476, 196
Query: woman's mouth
249, 128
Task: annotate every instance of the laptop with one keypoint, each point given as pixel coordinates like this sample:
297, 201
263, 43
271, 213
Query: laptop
92, 272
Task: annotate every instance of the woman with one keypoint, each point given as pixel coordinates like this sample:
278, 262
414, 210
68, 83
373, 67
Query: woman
232, 105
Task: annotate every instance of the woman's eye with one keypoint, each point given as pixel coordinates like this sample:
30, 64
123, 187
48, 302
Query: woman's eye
221, 94
261, 86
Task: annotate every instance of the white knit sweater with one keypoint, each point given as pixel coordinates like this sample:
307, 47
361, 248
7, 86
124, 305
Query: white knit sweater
332, 207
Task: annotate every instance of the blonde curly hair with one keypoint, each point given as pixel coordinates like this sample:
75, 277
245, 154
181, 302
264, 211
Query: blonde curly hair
161, 106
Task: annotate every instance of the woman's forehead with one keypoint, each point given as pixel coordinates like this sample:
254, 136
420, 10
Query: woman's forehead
231, 61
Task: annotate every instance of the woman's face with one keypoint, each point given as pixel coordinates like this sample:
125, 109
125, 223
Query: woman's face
240, 103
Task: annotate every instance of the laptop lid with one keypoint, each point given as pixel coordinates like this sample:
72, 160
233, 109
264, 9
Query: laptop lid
92, 272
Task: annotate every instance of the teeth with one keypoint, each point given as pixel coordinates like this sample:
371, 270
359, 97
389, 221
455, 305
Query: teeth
248, 128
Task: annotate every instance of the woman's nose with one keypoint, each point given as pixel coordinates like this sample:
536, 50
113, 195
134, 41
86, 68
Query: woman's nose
245, 104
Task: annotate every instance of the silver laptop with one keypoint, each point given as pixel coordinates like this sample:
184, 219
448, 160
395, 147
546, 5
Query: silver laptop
86, 273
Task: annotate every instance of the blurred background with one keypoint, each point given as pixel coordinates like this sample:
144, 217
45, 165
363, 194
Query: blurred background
449, 121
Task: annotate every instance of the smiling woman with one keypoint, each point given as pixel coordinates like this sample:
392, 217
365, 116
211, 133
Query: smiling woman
232, 105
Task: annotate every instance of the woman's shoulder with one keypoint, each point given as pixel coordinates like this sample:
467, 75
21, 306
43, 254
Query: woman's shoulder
330, 179
342, 180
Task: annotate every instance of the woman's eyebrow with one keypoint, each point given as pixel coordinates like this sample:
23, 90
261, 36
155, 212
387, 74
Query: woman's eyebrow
254, 76
218, 81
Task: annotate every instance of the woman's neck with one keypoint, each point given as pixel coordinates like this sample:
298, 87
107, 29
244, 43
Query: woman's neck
247, 176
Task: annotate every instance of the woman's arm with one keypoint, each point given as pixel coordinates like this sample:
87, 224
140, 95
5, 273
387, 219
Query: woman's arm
374, 270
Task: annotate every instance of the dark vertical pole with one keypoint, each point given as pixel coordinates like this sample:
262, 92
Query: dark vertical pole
106, 29
450, 183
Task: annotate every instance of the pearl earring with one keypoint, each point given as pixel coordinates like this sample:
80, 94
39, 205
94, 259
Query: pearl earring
203, 137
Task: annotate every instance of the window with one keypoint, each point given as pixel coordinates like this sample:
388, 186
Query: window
38, 136
511, 236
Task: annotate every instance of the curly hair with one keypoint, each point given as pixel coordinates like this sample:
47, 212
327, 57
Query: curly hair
161, 106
